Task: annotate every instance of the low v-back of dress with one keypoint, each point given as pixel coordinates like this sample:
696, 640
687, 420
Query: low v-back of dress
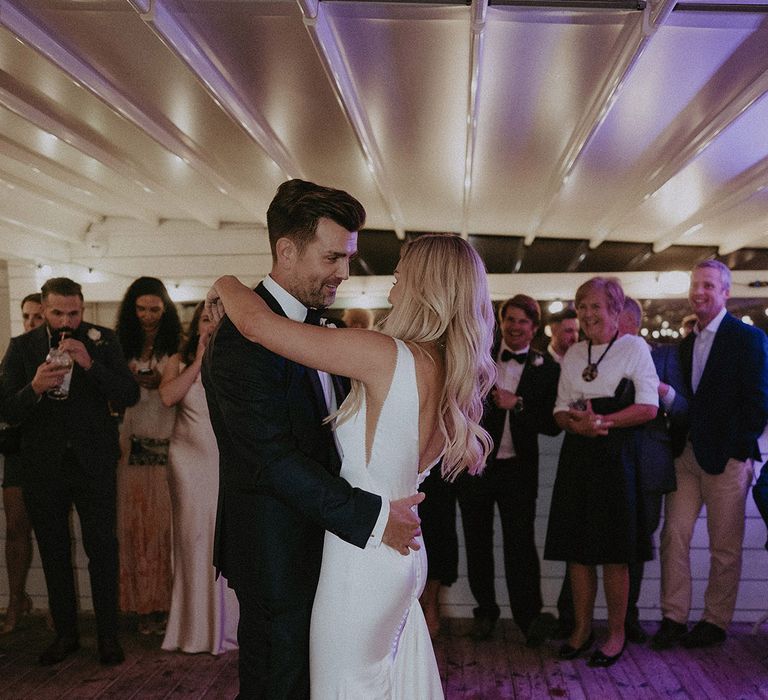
368, 636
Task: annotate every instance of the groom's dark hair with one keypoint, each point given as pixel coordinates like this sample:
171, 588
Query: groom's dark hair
297, 207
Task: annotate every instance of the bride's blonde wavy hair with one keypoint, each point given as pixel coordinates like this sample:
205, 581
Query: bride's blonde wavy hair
444, 300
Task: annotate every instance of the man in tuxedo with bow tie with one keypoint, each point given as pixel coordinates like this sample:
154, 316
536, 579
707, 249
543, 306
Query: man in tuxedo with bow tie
725, 367
280, 487
519, 409
69, 453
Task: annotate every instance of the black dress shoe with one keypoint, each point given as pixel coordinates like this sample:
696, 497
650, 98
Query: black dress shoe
601, 660
110, 651
668, 635
634, 631
568, 652
703, 634
543, 627
61, 648
482, 628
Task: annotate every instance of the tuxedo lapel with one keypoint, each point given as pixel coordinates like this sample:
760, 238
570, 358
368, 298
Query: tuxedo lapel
717, 351
311, 374
38, 340
686, 361
317, 390
340, 388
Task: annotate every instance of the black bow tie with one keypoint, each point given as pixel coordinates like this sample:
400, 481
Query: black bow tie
314, 317
506, 356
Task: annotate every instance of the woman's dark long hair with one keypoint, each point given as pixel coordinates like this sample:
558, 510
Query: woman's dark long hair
189, 345
129, 330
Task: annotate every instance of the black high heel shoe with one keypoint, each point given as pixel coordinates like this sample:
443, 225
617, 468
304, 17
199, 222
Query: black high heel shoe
601, 660
568, 652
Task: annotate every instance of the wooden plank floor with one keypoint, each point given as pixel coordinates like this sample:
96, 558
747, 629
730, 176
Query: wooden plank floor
500, 668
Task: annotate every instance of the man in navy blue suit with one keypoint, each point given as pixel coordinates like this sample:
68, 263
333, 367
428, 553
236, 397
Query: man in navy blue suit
725, 368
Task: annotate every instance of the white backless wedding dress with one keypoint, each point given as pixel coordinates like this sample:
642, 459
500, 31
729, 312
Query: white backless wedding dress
369, 639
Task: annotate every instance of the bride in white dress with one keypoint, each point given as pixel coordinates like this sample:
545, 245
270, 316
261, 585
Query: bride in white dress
417, 393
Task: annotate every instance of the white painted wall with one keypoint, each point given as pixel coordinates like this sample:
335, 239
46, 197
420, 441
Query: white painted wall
753, 593
458, 601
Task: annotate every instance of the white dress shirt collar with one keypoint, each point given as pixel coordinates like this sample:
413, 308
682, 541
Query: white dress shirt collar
714, 324
292, 307
504, 347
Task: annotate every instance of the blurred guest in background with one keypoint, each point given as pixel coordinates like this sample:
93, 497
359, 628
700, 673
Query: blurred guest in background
688, 324
438, 528
358, 318
564, 327
607, 385
149, 330
18, 529
204, 610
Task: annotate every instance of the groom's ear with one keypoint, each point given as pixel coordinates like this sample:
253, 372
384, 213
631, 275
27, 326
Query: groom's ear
286, 252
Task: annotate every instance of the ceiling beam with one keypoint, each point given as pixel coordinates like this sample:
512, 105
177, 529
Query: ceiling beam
330, 54
49, 196
742, 187
87, 187
93, 145
19, 242
10, 222
625, 53
581, 252
478, 13
750, 236
157, 127
182, 37
699, 138
183, 267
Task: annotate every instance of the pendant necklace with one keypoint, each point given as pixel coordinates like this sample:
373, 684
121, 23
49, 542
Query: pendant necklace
590, 371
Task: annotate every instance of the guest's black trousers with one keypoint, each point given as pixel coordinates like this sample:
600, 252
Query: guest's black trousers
49, 503
512, 486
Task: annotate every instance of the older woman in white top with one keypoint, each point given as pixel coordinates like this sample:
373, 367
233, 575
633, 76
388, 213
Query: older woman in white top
608, 385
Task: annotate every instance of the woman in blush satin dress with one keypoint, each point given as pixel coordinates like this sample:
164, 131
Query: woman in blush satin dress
417, 393
204, 610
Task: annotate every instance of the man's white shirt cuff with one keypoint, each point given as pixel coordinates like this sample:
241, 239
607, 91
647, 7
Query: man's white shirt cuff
381, 523
669, 398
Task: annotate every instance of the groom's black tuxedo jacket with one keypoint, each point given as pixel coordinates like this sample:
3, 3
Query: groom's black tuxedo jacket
279, 485
83, 422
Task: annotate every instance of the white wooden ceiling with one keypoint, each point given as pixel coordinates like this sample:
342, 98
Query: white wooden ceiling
148, 136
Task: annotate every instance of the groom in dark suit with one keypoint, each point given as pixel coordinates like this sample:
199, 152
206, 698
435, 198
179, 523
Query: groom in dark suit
279, 484
69, 452
725, 367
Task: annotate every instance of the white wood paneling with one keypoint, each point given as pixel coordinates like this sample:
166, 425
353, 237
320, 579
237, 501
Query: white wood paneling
458, 602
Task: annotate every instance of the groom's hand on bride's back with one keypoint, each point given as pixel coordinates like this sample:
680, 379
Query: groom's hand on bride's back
403, 525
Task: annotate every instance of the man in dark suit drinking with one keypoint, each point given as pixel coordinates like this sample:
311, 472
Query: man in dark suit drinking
279, 464
69, 451
725, 367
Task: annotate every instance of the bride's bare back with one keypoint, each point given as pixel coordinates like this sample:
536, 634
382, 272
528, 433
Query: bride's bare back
430, 376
